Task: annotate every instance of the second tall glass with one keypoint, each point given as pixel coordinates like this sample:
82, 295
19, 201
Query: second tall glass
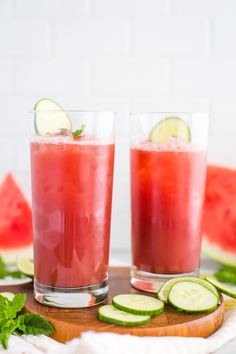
72, 174
168, 168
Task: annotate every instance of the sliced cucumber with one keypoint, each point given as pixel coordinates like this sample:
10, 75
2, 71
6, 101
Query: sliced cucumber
110, 314
163, 293
26, 266
8, 295
168, 128
191, 297
50, 118
222, 287
138, 304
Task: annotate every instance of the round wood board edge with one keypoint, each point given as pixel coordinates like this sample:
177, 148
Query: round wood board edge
70, 323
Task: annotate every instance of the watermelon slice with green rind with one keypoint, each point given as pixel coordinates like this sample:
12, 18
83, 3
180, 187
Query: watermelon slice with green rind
219, 217
15, 221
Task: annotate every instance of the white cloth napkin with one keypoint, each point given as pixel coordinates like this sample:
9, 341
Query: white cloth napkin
110, 343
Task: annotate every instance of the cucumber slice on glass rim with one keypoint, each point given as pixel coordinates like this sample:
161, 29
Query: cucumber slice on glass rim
50, 118
110, 314
222, 288
164, 291
10, 296
138, 304
191, 297
26, 266
170, 127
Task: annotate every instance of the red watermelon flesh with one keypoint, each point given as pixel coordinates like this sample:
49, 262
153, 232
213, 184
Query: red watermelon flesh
15, 217
219, 217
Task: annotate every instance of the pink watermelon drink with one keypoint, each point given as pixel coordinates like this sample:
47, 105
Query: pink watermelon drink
72, 191
72, 174
168, 171
167, 196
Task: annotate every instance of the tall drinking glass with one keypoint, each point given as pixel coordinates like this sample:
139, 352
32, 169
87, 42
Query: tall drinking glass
72, 176
168, 169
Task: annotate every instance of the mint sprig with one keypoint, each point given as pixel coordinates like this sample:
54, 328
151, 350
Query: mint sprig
78, 132
4, 271
12, 321
33, 324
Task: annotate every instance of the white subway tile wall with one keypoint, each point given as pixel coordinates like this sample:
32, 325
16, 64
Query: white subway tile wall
121, 55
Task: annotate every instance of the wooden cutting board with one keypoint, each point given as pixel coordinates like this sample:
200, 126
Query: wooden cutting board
70, 323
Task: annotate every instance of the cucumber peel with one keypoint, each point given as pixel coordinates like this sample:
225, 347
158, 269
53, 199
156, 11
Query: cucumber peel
191, 297
171, 127
138, 304
50, 118
222, 287
110, 314
164, 291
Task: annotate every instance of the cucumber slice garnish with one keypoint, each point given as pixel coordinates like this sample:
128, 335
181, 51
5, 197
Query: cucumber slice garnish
222, 287
171, 127
10, 296
163, 293
25, 266
191, 297
110, 314
49, 123
138, 304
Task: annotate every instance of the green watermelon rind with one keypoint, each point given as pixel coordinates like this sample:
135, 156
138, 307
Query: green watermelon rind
216, 253
10, 255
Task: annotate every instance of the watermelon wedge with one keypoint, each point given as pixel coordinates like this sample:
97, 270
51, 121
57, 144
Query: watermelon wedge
15, 222
219, 217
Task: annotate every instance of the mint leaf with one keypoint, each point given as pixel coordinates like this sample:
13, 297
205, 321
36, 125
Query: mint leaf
4, 271
2, 264
9, 309
4, 309
31, 323
78, 132
16, 274
6, 330
17, 304
4, 303
4, 337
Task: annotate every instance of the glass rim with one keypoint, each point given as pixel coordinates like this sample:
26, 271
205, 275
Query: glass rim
70, 111
176, 113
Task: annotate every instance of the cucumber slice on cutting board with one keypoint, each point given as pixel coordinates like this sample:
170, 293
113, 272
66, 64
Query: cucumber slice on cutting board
110, 314
10, 296
138, 304
171, 127
191, 297
50, 118
164, 291
222, 287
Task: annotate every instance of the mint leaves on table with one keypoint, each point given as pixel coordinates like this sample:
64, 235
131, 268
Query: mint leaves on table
226, 274
4, 271
78, 132
13, 321
31, 323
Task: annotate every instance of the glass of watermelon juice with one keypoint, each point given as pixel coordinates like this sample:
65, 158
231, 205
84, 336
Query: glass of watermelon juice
168, 168
72, 157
